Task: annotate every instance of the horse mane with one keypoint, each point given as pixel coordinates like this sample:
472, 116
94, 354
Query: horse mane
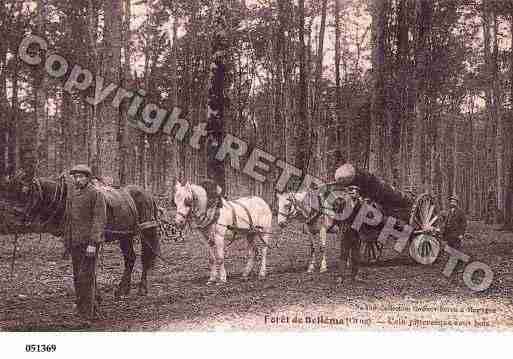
53, 196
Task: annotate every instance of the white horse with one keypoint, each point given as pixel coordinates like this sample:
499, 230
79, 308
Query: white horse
248, 216
305, 207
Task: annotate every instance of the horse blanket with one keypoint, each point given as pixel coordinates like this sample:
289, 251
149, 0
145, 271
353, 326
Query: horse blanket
122, 216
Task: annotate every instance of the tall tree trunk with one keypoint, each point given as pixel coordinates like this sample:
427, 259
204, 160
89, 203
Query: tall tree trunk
92, 30
289, 90
216, 95
317, 103
424, 13
378, 111
338, 93
41, 97
279, 44
14, 134
487, 18
497, 128
4, 106
303, 125
124, 130
400, 132
175, 149
109, 154
508, 206
474, 163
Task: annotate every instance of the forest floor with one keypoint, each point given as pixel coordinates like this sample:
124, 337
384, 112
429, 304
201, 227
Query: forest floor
39, 296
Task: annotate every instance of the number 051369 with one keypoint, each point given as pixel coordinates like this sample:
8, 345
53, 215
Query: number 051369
40, 348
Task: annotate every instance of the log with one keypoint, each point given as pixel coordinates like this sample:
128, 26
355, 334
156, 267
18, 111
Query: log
371, 186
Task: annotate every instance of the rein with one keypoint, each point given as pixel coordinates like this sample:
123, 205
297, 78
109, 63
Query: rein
202, 220
298, 208
33, 202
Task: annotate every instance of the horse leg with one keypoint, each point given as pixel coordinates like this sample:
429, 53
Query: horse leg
322, 238
219, 256
263, 263
311, 265
252, 250
345, 242
212, 263
127, 249
355, 256
150, 249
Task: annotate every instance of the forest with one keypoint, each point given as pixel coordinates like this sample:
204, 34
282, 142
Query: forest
418, 92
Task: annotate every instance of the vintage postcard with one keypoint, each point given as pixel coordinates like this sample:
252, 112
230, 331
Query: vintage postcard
256, 166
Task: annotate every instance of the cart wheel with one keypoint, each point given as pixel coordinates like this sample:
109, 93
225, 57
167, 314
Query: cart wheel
424, 217
424, 249
370, 251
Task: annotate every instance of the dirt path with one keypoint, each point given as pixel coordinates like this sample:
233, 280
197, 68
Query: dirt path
39, 297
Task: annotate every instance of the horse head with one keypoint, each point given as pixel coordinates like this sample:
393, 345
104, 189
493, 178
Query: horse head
286, 207
184, 200
31, 197
16, 187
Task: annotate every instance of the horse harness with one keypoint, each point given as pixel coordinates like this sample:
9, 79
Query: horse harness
139, 226
212, 214
251, 230
298, 207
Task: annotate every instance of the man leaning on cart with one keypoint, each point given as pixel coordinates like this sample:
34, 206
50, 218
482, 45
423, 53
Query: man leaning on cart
455, 223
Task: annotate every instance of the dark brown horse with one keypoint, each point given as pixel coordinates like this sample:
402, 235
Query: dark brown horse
131, 212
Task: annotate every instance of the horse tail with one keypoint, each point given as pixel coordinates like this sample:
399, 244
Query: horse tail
150, 236
156, 213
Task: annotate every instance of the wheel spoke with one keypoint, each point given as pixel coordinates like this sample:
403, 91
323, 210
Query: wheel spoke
373, 251
430, 214
425, 213
420, 212
433, 220
416, 221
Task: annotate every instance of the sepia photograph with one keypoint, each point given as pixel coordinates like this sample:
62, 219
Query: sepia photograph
255, 166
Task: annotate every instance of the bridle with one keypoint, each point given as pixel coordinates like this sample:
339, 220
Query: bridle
190, 202
298, 209
200, 220
36, 199
295, 208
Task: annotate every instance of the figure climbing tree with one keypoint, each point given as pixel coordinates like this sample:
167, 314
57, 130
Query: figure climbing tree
216, 93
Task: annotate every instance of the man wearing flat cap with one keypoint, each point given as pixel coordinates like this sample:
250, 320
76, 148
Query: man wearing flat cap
350, 241
455, 223
85, 221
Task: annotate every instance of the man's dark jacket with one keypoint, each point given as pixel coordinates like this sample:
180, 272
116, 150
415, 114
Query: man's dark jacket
86, 216
455, 223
